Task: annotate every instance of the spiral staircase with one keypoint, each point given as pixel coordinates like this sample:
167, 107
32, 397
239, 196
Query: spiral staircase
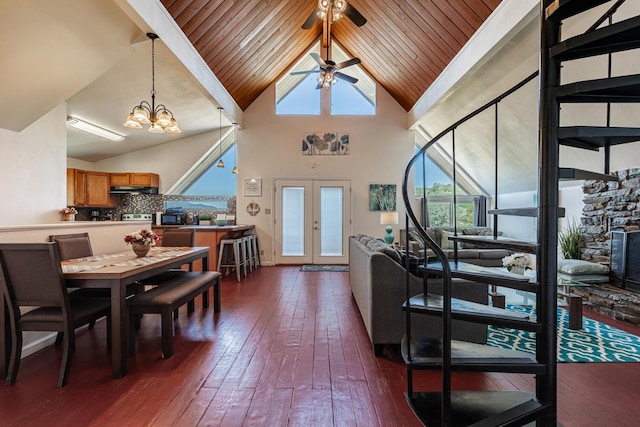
448, 407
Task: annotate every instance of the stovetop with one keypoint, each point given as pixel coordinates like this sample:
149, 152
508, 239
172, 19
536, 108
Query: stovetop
136, 217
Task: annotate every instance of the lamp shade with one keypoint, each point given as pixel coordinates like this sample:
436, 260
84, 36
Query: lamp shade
388, 218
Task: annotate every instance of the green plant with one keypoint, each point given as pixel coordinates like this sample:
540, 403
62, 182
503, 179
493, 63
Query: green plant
204, 217
569, 240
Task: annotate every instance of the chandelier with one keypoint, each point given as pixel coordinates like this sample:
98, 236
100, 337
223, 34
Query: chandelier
160, 118
235, 149
220, 162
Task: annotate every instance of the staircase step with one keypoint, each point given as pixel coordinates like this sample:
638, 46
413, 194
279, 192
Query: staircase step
596, 137
477, 408
426, 353
617, 37
562, 9
498, 242
572, 174
531, 212
490, 275
614, 89
472, 312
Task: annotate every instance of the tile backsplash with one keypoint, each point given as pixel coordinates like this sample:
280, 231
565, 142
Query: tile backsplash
152, 203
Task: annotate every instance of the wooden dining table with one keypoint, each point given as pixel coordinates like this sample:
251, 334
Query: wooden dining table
116, 271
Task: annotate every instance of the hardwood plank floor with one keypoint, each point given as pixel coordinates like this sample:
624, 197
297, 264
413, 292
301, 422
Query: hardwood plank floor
288, 349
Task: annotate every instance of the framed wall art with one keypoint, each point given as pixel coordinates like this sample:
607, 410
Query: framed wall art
382, 197
252, 187
325, 143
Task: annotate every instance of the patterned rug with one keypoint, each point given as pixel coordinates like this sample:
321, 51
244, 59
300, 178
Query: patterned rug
596, 342
324, 268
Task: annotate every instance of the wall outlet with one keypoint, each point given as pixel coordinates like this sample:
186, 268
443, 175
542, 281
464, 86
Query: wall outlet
267, 211
261, 252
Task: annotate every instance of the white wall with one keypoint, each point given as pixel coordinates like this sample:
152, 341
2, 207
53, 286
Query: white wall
33, 172
270, 148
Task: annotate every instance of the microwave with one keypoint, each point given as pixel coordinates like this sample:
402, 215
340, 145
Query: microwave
172, 219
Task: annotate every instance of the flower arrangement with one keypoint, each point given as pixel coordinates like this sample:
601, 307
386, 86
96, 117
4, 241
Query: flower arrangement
145, 237
516, 260
69, 211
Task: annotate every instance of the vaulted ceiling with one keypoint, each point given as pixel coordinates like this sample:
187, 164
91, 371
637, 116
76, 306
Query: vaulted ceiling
404, 45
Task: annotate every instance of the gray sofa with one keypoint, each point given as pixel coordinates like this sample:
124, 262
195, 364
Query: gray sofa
467, 252
378, 286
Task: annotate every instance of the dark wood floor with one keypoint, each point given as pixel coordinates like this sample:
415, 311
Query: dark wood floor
288, 348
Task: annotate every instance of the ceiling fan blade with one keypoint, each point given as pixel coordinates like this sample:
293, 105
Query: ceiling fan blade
311, 19
355, 16
318, 59
339, 75
347, 63
295, 73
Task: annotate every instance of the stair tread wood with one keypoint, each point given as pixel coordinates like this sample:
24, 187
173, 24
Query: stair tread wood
472, 312
490, 275
623, 35
478, 408
562, 9
596, 137
426, 353
614, 89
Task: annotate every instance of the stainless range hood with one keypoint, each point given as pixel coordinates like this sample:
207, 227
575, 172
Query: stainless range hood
128, 189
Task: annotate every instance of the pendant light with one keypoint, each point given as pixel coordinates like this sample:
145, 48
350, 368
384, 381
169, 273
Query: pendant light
220, 162
159, 117
235, 149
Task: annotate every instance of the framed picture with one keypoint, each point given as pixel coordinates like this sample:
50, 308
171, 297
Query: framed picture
252, 187
382, 197
325, 143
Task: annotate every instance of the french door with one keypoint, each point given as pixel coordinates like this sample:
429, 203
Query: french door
312, 222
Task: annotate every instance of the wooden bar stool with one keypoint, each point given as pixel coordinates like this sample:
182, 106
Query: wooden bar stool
248, 254
236, 257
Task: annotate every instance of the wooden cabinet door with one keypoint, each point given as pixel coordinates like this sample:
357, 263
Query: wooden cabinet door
98, 186
119, 179
144, 179
76, 187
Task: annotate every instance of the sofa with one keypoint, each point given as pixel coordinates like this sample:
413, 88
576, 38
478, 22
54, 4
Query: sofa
467, 252
377, 280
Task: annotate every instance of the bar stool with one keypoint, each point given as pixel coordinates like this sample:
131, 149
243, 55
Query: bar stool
248, 254
236, 246
255, 249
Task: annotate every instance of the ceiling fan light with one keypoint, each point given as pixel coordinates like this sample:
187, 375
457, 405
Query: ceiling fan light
220, 163
322, 14
155, 128
339, 5
140, 115
164, 118
323, 5
132, 123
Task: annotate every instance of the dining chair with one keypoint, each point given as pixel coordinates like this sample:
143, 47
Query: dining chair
176, 237
31, 276
72, 246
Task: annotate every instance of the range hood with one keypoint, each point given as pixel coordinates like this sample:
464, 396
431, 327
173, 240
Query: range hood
130, 189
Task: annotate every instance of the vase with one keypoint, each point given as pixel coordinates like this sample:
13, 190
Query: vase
517, 270
140, 249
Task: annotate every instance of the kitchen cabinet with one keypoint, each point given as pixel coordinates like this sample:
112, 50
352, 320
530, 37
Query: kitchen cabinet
140, 179
88, 188
76, 187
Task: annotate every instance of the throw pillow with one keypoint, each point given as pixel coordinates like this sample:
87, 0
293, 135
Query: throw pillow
578, 266
584, 278
445, 243
391, 253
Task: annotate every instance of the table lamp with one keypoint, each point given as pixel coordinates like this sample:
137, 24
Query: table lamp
388, 218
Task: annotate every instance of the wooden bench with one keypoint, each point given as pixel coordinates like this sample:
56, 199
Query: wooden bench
167, 297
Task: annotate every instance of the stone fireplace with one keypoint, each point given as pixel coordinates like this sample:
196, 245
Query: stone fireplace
612, 208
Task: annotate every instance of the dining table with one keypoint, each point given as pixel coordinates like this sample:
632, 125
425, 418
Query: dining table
117, 271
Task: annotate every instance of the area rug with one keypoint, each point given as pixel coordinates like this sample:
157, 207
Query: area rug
596, 342
324, 268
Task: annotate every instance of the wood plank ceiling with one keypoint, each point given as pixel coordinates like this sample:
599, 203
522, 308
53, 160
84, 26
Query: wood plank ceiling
404, 45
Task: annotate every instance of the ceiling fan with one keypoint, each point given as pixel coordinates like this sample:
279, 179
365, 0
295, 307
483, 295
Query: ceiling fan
328, 69
335, 9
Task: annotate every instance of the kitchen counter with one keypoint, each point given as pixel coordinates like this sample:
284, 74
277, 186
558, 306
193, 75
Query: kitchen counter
210, 235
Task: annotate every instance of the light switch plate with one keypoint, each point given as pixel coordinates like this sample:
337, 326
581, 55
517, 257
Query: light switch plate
267, 211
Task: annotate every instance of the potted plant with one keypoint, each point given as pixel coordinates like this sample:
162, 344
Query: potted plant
569, 240
204, 219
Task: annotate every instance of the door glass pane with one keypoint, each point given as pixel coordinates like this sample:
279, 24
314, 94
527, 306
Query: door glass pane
330, 221
293, 221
